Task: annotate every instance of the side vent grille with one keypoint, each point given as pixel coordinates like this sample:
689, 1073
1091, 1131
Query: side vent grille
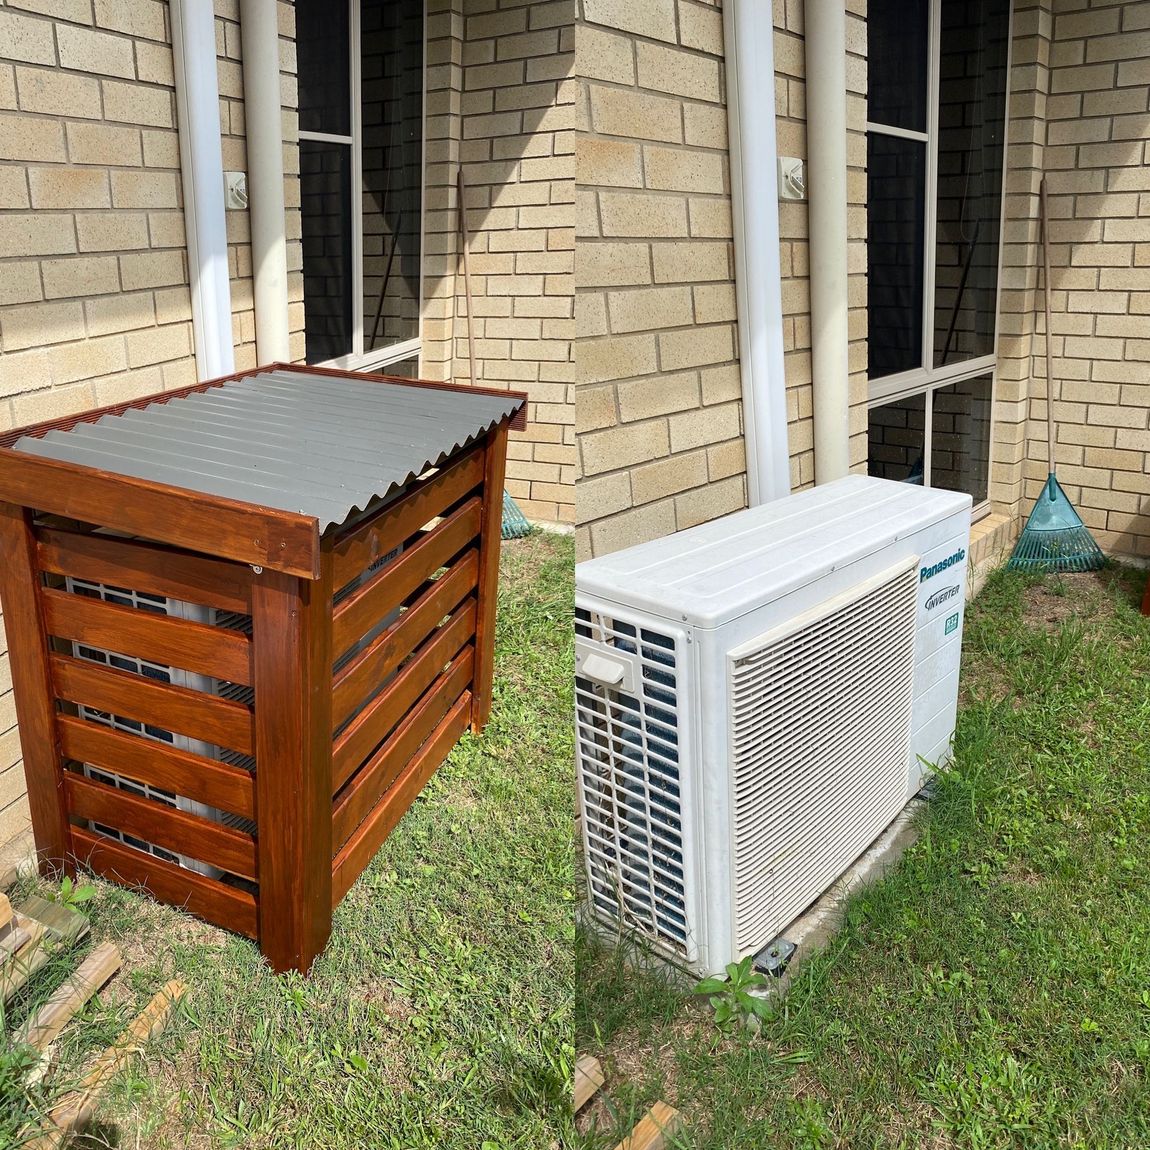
236, 692
820, 715
628, 767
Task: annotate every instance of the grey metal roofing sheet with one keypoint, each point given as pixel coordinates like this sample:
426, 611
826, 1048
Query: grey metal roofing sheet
316, 444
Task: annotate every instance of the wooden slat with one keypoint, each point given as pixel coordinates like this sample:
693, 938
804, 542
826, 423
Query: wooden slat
19, 969
76, 1109
358, 613
226, 906
51, 1018
291, 621
654, 1127
373, 724
147, 567
197, 647
588, 1079
179, 709
494, 468
369, 836
28, 658
353, 553
228, 528
15, 940
177, 831
216, 784
371, 666
379, 772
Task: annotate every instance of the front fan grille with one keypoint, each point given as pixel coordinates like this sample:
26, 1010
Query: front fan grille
820, 726
628, 766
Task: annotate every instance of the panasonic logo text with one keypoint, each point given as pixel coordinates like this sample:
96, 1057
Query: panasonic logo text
942, 565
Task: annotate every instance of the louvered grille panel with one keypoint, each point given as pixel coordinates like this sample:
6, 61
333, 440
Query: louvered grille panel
820, 735
236, 692
628, 767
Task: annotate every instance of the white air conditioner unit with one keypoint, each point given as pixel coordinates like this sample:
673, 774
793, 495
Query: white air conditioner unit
756, 699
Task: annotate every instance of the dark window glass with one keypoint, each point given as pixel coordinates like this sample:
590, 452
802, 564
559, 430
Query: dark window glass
971, 119
325, 199
404, 369
323, 60
392, 112
960, 437
897, 48
896, 198
897, 440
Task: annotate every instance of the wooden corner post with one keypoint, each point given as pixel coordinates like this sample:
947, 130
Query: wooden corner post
494, 466
291, 633
20, 581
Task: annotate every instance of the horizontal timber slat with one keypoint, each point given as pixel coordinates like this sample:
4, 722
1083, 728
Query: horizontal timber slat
220, 785
379, 772
369, 728
363, 545
369, 836
372, 665
147, 567
178, 709
197, 647
244, 532
224, 905
178, 831
358, 613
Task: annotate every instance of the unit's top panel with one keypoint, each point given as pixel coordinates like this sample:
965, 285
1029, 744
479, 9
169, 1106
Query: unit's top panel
319, 445
719, 570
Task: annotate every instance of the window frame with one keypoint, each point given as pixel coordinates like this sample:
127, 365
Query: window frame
358, 359
926, 378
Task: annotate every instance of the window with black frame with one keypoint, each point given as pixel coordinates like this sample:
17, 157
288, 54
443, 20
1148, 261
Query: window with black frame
936, 134
361, 81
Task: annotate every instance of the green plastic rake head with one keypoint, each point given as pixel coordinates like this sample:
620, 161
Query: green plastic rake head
515, 524
1054, 538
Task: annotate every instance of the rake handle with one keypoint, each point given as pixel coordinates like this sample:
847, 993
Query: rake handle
1045, 224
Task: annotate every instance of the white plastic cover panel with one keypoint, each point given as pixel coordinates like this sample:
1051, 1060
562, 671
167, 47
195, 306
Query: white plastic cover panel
628, 770
820, 727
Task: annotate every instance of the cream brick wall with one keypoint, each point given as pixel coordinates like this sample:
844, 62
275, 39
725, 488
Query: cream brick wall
94, 299
1097, 124
791, 128
516, 147
442, 130
659, 408
658, 400
229, 69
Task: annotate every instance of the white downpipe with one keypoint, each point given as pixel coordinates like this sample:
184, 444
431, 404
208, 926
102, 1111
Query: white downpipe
259, 33
826, 87
201, 169
749, 36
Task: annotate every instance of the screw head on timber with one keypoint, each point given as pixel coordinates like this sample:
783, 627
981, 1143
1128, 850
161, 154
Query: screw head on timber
257, 570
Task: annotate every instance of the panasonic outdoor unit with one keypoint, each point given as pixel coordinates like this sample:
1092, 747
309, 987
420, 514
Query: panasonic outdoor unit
756, 700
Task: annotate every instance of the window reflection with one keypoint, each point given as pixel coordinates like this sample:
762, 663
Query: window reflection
971, 118
897, 440
960, 437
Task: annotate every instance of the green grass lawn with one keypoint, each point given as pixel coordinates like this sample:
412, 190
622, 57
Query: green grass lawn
440, 1014
994, 990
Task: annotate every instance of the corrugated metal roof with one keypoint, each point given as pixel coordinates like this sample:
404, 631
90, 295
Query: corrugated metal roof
315, 444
